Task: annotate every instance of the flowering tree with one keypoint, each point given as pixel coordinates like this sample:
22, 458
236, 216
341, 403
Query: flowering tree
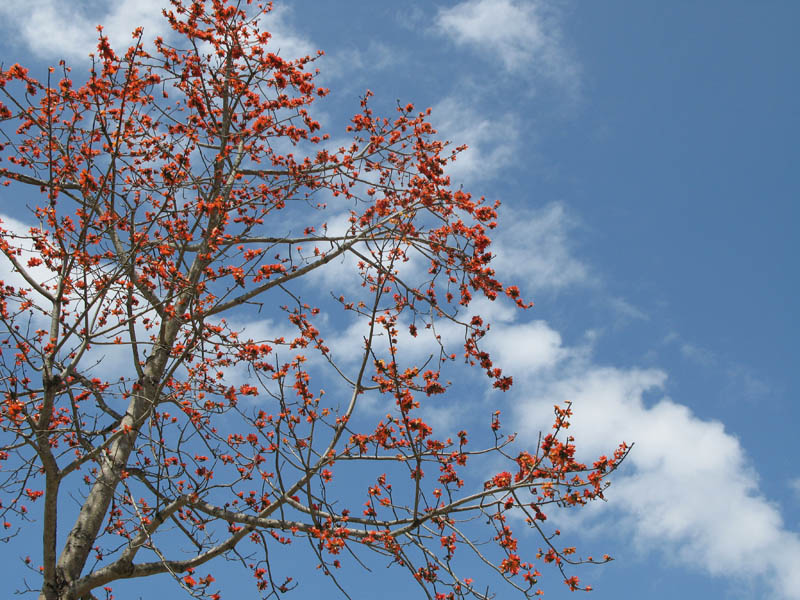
182, 190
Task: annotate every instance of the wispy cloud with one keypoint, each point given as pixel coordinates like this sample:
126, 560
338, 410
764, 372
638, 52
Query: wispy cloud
524, 36
626, 310
696, 354
371, 56
742, 382
747, 384
794, 485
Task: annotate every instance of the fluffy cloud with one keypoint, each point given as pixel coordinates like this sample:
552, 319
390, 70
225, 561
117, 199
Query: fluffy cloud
42, 26
491, 139
286, 41
523, 36
688, 491
532, 246
543, 347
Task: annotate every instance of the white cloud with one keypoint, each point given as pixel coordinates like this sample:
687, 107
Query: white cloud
111, 358
542, 347
286, 41
689, 490
43, 26
491, 139
523, 36
532, 246
18, 235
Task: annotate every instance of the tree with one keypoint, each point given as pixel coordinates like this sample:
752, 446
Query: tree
182, 190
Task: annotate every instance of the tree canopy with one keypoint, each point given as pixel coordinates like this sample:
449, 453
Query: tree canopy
170, 331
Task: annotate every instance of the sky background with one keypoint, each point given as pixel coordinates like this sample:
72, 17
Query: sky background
646, 155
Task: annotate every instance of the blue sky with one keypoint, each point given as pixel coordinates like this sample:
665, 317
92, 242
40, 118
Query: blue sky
646, 156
